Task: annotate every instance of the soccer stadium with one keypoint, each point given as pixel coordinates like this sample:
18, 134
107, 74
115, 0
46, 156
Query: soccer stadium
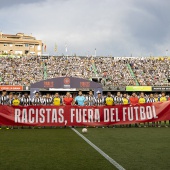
65, 109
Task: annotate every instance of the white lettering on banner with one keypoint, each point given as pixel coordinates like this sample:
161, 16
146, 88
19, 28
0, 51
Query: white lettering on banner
38, 115
24, 116
90, 115
130, 114
142, 113
124, 113
48, 115
106, 115
61, 112
154, 112
72, 115
42, 117
17, 115
84, 115
97, 115
148, 112
134, 113
78, 115
111, 115
54, 116
31, 112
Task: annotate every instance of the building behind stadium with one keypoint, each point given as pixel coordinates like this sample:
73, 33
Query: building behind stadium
20, 44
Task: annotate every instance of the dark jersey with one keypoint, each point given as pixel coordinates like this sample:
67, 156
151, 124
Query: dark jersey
99, 101
118, 100
4, 100
26, 101
36, 101
90, 100
10, 101
47, 101
150, 100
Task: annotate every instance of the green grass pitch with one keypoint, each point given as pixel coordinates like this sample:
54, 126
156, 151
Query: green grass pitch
63, 149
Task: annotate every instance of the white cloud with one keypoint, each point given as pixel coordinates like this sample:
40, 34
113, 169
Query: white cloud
114, 27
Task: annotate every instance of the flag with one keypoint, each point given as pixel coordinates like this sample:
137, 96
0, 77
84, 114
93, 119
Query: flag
45, 48
95, 52
55, 48
66, 47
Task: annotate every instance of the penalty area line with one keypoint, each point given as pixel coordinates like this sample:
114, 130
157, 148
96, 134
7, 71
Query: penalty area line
112, 161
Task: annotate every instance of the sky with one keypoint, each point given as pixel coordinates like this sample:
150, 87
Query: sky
112, 27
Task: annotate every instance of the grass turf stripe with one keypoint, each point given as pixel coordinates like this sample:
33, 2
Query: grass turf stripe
112, 161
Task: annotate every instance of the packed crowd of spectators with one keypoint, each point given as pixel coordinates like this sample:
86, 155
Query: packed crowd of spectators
20, 71
69, 66
151, 72
108, 70
114, 72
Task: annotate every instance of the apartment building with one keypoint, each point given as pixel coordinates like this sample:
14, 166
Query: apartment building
20, 44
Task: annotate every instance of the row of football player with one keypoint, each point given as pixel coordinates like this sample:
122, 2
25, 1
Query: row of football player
81, 100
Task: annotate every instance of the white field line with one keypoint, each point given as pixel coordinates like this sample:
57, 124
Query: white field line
112, 161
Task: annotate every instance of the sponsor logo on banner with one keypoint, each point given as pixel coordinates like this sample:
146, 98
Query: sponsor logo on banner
159, 88
115, 88
67, 81
48, 84
85, 84
138, 88
11, 88
83, 115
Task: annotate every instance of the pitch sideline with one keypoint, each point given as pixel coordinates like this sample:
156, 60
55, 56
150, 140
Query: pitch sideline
112, 161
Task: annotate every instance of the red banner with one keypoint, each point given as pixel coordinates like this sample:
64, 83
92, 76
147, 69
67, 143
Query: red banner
83, 115
11, 88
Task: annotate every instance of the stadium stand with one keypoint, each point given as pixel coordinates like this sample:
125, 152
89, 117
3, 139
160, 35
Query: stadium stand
110, 71
150, 71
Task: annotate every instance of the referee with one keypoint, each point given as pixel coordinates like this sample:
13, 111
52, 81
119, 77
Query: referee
80, 99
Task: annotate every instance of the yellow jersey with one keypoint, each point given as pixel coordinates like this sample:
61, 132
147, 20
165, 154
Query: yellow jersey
162, 99
156, 99
125, 101
142, 100
15, 102
109, 101
57, 101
